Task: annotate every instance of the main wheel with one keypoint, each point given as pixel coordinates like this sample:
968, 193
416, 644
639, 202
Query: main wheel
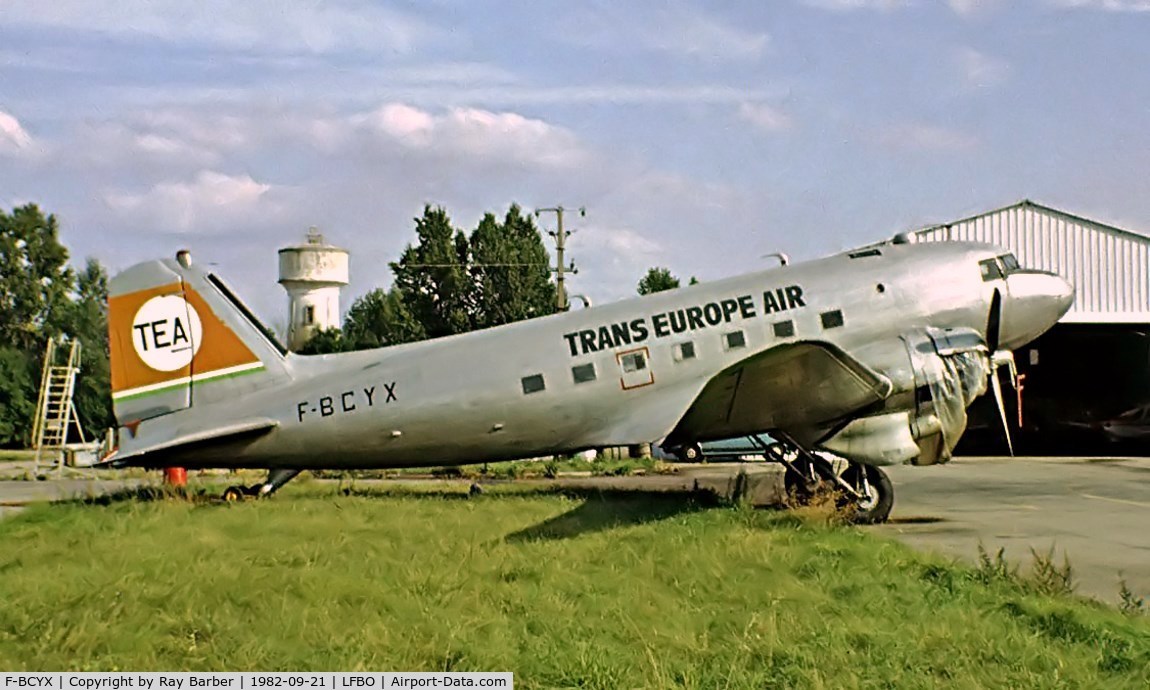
691, 453
877, 494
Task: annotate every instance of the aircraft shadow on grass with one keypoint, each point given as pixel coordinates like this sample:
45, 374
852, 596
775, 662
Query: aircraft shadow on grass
605, 510
142, 494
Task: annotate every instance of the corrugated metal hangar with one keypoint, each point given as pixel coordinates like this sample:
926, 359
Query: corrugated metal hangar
1084, 385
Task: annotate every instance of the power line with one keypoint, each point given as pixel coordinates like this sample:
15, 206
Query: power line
560, 236
471, 265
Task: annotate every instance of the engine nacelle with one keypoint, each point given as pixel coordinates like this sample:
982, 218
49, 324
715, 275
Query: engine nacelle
881, 440
937, 374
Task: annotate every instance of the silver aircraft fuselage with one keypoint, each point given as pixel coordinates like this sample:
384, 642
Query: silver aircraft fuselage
617, 374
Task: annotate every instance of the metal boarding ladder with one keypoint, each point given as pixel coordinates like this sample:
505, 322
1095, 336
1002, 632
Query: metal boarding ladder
55, 411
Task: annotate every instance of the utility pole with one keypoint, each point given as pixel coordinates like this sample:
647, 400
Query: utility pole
560, 236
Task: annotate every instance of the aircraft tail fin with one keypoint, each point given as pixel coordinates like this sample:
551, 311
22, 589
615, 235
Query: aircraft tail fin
179, 337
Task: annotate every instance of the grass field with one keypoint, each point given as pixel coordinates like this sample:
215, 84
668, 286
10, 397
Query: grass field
17, 455
598, 592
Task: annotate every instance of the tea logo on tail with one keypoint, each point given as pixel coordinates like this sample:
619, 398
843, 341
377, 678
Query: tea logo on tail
167, 333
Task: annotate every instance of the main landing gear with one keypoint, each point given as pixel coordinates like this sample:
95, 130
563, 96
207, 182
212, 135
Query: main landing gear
276, 479
864, 491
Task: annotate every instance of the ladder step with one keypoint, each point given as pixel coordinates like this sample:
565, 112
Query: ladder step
55, 407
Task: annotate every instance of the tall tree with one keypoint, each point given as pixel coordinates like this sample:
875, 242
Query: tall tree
433, 277
325, 341
17, 397
512, 270
41, 297
86, 318
381, 318
34, 278
657, 279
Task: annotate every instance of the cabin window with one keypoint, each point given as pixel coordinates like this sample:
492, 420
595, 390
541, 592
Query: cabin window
1033, 357
832, 319
990, 270
734, 340
864, 253
635, 367
634, 361
583, 373
684, 351
533, 384
784, 329
309, 314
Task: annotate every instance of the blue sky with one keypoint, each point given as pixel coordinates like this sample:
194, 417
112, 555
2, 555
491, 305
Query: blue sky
699, 136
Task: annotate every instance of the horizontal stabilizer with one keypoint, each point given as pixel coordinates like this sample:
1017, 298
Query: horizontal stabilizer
232, 432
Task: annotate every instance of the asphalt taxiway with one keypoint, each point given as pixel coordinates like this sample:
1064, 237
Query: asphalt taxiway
1095, 512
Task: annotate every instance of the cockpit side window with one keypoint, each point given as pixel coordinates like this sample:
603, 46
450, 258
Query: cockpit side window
1009, 263
990, 269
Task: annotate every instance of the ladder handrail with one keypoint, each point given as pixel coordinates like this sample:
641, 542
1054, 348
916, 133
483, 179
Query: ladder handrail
37, 425
55, 407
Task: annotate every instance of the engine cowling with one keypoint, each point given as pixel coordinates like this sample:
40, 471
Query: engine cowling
937, 374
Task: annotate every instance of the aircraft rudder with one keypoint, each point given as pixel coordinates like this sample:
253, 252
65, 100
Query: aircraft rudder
177, 337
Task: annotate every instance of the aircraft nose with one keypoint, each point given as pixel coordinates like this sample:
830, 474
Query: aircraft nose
1037, 299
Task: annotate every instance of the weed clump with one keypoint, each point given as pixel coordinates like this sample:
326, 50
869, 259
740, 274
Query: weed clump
1128, 602
994, 569
1049, 578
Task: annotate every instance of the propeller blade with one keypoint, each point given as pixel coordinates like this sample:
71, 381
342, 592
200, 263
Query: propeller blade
997, 386
994, 321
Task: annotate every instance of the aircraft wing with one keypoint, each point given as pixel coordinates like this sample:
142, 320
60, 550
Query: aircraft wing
148, 454
789, 387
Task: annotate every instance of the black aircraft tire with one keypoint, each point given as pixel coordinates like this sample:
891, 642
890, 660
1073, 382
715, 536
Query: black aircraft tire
691, 453
234, 494
877, 509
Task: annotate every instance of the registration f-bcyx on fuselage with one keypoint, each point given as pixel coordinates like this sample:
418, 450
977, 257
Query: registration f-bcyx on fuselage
873, 355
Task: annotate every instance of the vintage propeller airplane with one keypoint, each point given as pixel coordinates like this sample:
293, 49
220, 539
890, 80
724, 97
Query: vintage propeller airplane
870, 355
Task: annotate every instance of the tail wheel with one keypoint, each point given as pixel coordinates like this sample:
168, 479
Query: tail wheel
234, 494
876, 490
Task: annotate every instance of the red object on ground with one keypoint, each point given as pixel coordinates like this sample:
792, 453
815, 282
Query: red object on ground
175, 476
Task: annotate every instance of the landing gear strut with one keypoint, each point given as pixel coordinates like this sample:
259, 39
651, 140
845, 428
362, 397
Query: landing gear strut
865, 491
276, 479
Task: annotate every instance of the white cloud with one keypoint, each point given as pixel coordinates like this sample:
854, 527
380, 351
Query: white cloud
1107, 5
679, 30
979, 70
475, 133
671, 28
209, 203
612, 94
451, 74
765, 117
925, 137
217, 131
311, 27
619, 241
407, 124
972, 8
850, 5
13, 136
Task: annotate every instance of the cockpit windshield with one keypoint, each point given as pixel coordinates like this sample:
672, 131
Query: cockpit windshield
990, 269
998, 267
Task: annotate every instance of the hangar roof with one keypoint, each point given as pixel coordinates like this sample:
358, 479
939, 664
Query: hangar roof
1108, 266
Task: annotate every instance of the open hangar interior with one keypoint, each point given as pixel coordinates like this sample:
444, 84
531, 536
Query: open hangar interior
1084, 386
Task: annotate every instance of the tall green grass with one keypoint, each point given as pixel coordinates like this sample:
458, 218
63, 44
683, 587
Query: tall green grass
597, 592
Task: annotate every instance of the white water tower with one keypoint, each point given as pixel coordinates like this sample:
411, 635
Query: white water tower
312, 273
